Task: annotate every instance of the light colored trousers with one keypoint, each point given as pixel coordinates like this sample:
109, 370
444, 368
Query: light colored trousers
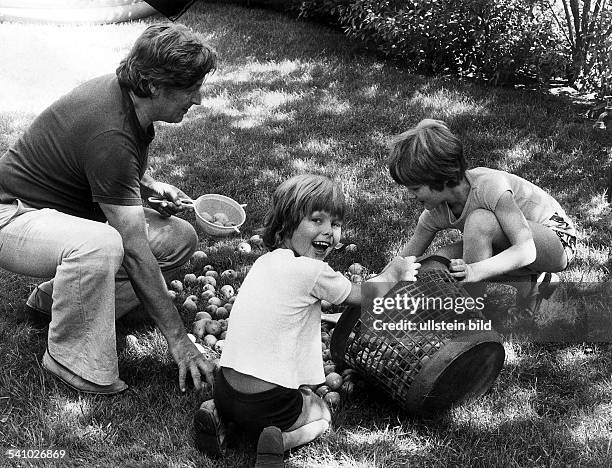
90, 288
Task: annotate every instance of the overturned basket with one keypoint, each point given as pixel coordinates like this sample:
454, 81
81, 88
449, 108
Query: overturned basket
426, 370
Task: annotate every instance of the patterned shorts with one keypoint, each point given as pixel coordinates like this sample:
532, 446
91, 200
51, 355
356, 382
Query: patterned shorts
566, 233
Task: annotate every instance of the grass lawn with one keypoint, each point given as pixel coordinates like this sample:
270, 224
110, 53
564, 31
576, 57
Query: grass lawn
293, 97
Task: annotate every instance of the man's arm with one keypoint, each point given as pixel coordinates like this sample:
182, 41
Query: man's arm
150, 287
150, 187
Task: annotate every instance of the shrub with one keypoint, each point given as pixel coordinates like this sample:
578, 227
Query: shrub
495, 39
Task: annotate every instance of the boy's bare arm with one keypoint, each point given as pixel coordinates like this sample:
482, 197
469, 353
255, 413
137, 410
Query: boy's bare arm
398, 269
418, 243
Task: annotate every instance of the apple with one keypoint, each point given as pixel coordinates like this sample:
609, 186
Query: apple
351, 248
329, 368
212, 274
207, 216
199, 327
172, 294
214, 301
228, 305
244, 247
220, 217
208, 268
232, 299
356, 279
209, 287
207, 294
210, 340
227, 291
229, 274
332, 398
256, 240
190, 279
333, 380
213, 327
221, 313
204, 280
322, 390
202, 315
356, 269
190, 306
131, 340
223, 323
176, 285
348, 387
211, 309
198, 256
223, 335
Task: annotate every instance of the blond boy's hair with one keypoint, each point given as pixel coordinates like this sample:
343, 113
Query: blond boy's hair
428, 154
297, 198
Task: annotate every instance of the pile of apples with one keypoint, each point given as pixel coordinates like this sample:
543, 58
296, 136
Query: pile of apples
210, 295
219, 219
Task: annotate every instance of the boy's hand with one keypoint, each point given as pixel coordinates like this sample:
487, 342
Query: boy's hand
461, 271
400, 269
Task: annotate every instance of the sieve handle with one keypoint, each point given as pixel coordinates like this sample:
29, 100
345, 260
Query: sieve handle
186, 202
243, 205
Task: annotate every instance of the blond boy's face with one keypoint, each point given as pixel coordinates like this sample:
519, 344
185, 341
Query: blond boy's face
315, 236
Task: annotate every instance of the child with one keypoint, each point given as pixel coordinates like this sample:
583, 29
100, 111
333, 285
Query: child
510, 226
273, 344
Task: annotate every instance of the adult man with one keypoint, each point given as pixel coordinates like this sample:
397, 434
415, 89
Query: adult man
71, 207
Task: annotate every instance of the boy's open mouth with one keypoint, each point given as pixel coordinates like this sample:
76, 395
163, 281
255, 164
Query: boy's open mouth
320, 245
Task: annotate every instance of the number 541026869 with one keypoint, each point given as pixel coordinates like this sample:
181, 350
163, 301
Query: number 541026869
33, 453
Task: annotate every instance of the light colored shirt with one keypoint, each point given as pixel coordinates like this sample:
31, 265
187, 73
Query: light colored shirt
274, 331
486, 188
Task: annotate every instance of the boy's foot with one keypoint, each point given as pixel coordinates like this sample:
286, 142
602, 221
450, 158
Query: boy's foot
528, 303
209, 430
270, 448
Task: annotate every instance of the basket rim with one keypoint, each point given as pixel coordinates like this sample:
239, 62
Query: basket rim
218, 196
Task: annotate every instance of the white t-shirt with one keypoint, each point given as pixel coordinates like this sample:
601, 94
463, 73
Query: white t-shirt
274, 330
486, 188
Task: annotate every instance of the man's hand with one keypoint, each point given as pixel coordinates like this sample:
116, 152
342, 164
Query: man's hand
189, 359
172, 196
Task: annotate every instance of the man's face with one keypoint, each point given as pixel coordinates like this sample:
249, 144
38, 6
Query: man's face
173, 104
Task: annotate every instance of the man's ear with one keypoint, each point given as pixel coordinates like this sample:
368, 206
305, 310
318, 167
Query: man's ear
154, 90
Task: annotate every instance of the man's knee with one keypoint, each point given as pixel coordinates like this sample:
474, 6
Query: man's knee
172, 240
106, 244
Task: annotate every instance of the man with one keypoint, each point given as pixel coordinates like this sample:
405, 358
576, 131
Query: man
71, 207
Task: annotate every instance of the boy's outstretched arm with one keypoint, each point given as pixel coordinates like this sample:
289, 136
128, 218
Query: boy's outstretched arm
522, 250
418, 243
398, 269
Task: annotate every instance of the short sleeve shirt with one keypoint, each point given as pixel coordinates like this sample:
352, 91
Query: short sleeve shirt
86, 148
274, 331
486, 188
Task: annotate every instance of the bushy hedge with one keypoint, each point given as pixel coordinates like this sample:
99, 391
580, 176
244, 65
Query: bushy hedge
501, 41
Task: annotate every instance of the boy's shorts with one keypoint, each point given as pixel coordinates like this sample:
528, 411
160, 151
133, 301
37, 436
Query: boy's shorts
566, 234
278, 406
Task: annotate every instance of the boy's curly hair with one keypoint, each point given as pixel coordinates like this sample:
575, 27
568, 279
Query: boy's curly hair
297, 198
427, 154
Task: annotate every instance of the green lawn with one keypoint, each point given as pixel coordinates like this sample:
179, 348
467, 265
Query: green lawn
292, 97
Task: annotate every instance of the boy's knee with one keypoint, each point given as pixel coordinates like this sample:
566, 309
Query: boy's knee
483, 223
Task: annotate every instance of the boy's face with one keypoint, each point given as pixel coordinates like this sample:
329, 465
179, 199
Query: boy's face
315, 236
428, 197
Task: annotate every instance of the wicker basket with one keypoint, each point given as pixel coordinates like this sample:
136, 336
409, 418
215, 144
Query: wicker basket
424, 371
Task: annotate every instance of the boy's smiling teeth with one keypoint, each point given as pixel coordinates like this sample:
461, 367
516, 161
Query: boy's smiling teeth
320, 244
